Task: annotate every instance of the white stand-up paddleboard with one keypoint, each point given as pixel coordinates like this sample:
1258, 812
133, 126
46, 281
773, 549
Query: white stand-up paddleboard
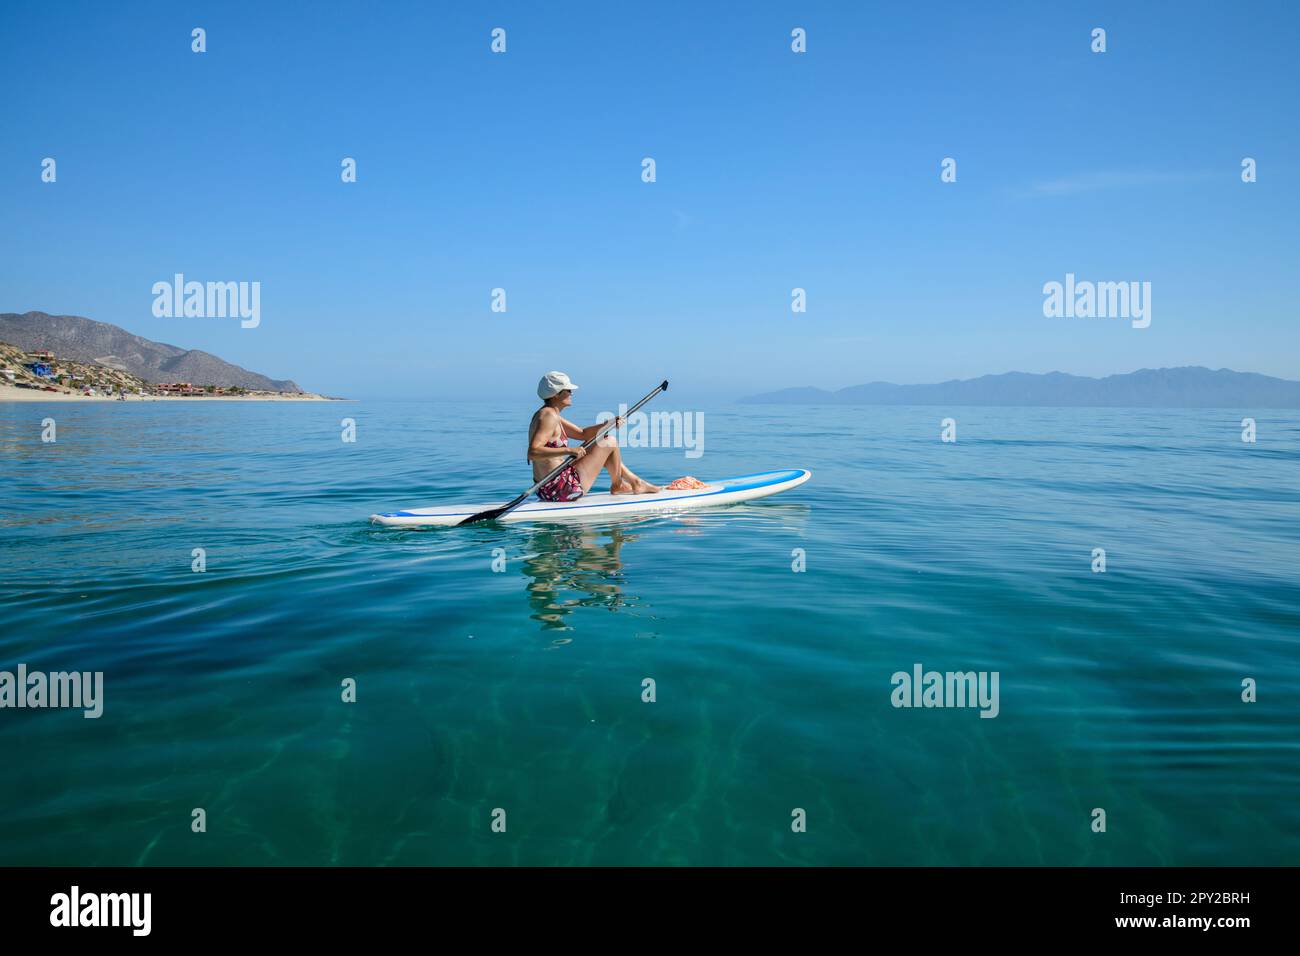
725, 491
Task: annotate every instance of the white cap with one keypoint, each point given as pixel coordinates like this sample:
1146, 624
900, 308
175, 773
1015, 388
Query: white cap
552, 384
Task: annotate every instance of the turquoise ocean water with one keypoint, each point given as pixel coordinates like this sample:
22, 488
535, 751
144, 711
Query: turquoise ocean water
521, 690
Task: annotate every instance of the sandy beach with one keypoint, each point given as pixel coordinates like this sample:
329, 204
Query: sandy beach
9, 393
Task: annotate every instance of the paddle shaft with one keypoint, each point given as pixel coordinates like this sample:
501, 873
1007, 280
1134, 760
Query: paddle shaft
506, 509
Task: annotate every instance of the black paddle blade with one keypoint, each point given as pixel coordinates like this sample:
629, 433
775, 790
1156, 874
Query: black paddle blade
483, 516
494, 513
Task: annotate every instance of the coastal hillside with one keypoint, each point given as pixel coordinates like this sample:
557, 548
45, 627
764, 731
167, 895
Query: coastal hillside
73, 376
1188, 387
79, 339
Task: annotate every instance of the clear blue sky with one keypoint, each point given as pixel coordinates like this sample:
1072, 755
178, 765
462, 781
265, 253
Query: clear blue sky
775, 170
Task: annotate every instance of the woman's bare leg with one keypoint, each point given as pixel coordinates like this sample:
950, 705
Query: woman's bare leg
602, 455
638, 485
625, 481
622, 480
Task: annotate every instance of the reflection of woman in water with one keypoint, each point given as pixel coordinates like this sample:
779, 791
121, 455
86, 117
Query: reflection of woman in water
582, 561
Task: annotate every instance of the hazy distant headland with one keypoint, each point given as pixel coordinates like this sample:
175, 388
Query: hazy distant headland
1187, 387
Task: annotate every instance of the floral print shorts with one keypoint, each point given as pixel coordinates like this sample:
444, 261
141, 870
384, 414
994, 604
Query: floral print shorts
566, 486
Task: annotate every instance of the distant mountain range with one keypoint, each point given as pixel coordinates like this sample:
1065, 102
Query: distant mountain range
1187, 387
85, 340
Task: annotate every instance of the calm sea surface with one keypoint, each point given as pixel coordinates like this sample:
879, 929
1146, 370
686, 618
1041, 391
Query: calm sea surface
522, 690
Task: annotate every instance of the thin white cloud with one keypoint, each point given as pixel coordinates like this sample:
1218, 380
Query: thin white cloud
1116, 179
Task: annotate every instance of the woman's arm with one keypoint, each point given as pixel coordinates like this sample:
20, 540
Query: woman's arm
541, 451
585, 434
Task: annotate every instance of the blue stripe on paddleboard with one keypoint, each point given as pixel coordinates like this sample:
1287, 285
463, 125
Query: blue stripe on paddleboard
771, 478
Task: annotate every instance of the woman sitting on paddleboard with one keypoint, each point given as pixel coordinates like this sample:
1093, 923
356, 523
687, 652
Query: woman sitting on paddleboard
548, 445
